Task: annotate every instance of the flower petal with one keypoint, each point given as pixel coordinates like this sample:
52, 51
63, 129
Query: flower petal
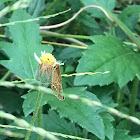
37, 58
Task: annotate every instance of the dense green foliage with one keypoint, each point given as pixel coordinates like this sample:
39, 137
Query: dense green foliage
101, 43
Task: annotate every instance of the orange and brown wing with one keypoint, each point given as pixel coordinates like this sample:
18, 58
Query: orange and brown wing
56, 81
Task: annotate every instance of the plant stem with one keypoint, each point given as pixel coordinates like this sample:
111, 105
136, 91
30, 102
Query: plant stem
121, 97
35, 113
66, 45
5, 76
133, 99
112, 29
40, 120
63, 35
50, 7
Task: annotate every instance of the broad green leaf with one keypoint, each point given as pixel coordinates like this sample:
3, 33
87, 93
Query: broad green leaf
26, 41
10, 101
107, 120
108, 54
108, 4
86, 116
122, 134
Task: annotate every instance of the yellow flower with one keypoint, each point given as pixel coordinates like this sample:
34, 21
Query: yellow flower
46, 58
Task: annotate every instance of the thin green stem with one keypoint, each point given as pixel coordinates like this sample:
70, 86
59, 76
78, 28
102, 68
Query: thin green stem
73, 40
133, 100
5, 76
40, 120
121, 97
35, 113
50, 7
64, 35
112, 29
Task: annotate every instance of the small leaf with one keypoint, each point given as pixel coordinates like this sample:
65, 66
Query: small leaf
108, 54
26, 41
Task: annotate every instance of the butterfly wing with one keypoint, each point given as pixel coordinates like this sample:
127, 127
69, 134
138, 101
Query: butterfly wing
56, 81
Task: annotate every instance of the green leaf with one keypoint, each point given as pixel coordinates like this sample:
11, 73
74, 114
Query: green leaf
10, 101
90, 25
26, 41
59, 125
129, 17
108, 4
130, 22
2, 56
128, 11
108, 54
109, 130
29, 102
69, 53
86, 116
36, 7
104, 95
53, 123
122, 134
75, 5
129, 33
